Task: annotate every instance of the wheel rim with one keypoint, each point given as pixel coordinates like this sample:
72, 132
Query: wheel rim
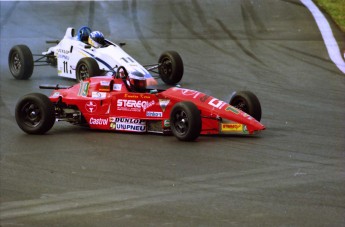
16, 62
241, 105
181, 123
31, 114
166, 67
83, 72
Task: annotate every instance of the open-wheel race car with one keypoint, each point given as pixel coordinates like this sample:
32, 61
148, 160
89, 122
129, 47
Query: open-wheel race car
79, 56
121, 103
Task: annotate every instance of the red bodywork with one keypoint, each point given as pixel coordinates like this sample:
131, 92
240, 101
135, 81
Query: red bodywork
107, 104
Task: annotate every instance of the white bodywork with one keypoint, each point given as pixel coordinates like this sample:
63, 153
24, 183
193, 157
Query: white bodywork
70, 50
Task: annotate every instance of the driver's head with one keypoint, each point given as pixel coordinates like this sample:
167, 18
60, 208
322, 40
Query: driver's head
137, 81
96, 39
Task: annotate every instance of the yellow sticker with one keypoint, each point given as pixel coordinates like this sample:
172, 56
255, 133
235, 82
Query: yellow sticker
231, 127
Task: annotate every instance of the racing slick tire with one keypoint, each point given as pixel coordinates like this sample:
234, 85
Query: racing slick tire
185, 121
247, 102
35, 113
86, 68
21, 62
170, 67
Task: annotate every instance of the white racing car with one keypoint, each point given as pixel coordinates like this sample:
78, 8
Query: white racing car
78, 57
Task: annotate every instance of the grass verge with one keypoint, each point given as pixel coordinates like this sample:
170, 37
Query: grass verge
336, 9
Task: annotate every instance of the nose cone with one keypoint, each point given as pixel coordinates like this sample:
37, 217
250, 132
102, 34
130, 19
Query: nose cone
255, 126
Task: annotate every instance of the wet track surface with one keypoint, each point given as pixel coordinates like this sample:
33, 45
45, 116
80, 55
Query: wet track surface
292, 174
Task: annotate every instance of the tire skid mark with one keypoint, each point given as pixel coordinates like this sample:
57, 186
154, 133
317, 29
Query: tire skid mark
247, 6
288, 53
238, 43
202, 19
138, 30
298, 3
186, 23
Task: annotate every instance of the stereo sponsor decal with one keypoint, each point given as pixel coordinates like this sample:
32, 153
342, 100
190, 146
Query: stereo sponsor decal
133, 105
154, 114
127, 124
91, 106
98, 121
232, 127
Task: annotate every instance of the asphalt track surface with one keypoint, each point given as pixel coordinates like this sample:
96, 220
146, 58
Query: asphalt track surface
292, 174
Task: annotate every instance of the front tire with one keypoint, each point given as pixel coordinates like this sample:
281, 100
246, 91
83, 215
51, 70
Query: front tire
185, 121
86, 68
247, 102
21, 62
170, 67
35, 113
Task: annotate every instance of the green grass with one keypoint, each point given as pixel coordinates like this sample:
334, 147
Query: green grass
336, 9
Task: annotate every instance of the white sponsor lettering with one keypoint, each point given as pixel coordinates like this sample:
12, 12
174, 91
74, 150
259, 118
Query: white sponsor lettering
130, 127
97, 94
117, 87
105, 83
154, 114
189, 92
216, 103
98, 121
133, 105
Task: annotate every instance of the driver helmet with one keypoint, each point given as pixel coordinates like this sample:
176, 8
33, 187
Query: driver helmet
137, 81
96, 39
83, 33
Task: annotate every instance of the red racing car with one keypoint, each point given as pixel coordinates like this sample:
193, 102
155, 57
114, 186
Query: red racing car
125, 103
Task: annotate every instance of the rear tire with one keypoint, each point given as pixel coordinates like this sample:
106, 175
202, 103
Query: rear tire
247, 102
170, 67
21, 62
86, 68
35, 113
185, 121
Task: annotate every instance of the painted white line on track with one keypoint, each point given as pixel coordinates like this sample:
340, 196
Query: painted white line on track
327, 35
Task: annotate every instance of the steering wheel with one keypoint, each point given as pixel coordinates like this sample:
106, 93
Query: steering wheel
121, 74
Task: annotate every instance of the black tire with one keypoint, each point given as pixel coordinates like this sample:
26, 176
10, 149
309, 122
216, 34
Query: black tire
248, 103
170, 67
21, 62
185, 121
86, 68
35, 113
